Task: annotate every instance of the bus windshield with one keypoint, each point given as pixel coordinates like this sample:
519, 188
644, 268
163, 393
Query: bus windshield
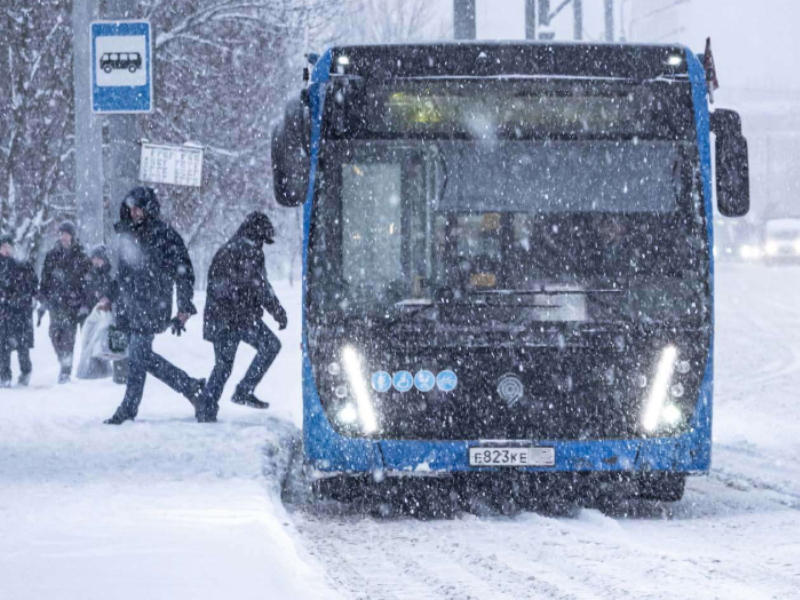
425, 195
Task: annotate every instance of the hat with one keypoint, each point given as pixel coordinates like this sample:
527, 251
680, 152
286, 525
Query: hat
68, 227
140, 197
7, 238
257, 227
99, 251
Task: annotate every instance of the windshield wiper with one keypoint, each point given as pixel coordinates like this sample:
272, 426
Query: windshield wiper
414, 306
599, 296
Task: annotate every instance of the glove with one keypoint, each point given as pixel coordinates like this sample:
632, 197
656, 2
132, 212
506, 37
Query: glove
178, 326
40, 314
280, 317
83, 312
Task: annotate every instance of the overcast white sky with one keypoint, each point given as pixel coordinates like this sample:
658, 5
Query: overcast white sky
756, 42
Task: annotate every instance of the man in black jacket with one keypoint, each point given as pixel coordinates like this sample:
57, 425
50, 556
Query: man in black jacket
238, 293
18, 285
152, 261
62, 293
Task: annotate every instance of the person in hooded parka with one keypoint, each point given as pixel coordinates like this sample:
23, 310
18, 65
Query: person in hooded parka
153, 261
18, 286
238, 293
62, 292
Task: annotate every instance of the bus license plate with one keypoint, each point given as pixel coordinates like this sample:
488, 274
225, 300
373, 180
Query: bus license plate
511, 457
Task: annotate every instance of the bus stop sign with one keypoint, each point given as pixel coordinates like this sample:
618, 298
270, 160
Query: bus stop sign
122, 67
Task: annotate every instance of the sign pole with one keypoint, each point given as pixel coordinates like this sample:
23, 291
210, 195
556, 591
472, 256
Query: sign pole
122, 171
88, 130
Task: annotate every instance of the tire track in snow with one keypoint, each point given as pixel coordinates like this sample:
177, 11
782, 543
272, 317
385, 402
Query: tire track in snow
583, 582
494, 566
379, 562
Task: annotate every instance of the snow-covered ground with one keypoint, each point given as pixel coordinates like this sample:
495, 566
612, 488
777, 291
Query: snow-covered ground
168, 508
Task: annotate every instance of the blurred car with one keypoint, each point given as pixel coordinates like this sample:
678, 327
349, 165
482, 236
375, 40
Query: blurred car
782, 240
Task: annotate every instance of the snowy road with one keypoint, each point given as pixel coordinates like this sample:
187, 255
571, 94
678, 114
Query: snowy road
736, 534
165, 508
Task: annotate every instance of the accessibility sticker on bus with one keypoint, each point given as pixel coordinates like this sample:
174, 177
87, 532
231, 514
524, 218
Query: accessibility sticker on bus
381, 382
446, 381
403, 381
424, 381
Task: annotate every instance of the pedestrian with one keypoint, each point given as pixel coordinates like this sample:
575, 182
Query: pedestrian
62, 292
101, 286
238, 293
153, 261
18, 286
101, 292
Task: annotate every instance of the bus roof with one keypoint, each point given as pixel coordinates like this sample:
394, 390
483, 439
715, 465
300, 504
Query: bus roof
513, 58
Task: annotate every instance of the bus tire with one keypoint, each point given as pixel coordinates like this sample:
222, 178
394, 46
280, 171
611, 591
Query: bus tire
663, 487
108, 68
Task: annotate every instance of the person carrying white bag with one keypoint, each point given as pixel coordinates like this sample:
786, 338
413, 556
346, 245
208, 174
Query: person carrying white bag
101, 291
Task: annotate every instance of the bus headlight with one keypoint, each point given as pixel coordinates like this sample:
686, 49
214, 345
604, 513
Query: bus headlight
347, 414
654, 404
352, 362
671, 415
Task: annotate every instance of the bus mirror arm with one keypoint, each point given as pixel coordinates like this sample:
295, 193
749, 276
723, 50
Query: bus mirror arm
732, 164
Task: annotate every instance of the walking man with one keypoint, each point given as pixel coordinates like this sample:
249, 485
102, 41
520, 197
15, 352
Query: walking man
18, 285
238, 293
152, 261
62, 293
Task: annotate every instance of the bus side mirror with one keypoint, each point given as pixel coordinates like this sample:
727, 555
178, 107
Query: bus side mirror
732, 165
291, 154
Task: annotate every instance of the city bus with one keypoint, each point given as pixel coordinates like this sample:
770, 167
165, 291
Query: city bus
507, 261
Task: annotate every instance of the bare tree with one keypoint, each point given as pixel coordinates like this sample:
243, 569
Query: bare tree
223, 71
36, 117
391, 21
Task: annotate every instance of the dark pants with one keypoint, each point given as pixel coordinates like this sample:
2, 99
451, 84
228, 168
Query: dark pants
267, 346
63, 329
141, 361
23, 354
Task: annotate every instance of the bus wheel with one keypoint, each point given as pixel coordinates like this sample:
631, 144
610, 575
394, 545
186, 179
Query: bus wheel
108, 69
132, 68
664, 487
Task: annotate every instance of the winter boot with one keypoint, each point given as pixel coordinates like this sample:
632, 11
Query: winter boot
5, 383
24, 380
248, 399
206, 416
118, 419
65, 375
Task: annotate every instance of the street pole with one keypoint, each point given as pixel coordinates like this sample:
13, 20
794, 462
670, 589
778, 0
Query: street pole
88, 129
123, 151
577, 11
464, 19
544, 21
530, 19
609, 17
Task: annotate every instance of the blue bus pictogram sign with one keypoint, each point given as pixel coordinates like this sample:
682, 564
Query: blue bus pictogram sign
122, 67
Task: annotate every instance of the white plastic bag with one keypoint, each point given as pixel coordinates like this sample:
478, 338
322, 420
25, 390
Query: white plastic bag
93, 365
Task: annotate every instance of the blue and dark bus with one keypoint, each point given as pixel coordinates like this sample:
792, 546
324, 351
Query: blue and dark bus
507, 260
